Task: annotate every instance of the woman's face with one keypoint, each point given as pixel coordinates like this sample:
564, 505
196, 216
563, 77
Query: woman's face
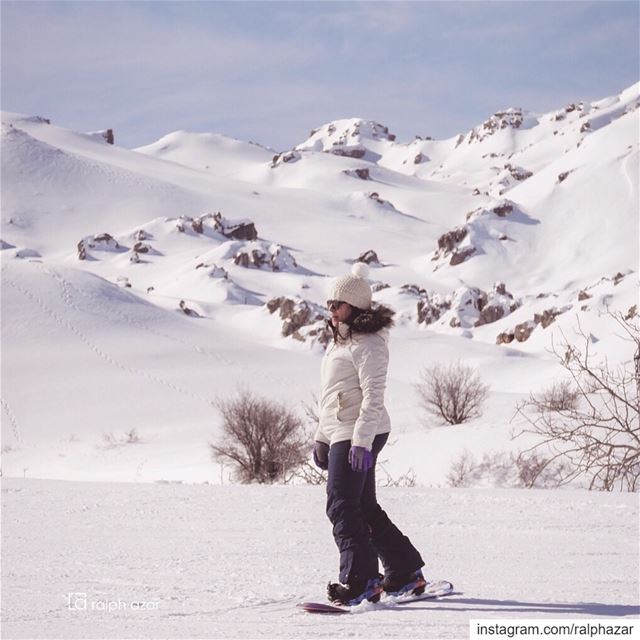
340, 311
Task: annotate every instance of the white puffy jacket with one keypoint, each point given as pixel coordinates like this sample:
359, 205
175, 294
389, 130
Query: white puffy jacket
353, 377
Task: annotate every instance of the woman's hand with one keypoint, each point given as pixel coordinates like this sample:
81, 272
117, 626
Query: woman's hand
321, 455
360, 459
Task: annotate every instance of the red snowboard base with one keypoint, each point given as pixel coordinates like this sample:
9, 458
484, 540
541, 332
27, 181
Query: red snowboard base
433, 591
319, 607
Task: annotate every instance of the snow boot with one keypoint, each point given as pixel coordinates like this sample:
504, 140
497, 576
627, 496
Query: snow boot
411, 583
351, 595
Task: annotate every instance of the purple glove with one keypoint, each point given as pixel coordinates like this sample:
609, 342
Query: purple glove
360, 459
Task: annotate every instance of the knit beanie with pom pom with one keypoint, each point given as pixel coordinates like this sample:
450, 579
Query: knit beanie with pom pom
353, 288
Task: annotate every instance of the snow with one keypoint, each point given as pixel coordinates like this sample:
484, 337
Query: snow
109, 386
232, 561
116, 350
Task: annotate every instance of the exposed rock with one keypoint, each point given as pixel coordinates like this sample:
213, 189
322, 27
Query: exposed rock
285, 157
586, 126
523, 331
103, 239
348, 152
574, 107
107, 134
518, 173
99, 242
475, 192
511, 118
141, 247
419, 159
563, 176
448, 242
617, 279
432, 307
460, 255
502, 209
505, 337
547, 317
141, 235
186, 310
235, 229
632, 313
301, 319
583, 295
261, 254
363, 174
379, 286
369, 257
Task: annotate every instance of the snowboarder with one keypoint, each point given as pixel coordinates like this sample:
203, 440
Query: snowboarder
353, 428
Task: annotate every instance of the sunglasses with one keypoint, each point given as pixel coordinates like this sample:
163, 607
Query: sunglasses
334, 305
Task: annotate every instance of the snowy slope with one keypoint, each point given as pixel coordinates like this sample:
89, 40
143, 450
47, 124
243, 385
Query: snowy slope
101, 345
232, 562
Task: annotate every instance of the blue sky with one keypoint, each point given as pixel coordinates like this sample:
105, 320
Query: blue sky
272, 71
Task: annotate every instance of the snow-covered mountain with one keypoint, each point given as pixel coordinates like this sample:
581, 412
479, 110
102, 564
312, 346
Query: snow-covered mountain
141, 285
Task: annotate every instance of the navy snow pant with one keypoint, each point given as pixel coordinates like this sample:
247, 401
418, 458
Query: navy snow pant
361, 529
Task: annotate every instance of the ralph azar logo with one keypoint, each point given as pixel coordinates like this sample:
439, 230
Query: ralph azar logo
77, 601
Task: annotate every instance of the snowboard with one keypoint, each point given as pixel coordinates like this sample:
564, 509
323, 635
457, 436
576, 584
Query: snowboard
433, 590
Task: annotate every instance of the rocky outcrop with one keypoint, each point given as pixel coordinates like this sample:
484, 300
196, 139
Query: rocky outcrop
509, 118
501, 208
498, 304
286, 157
363, 174
241, 229
98, 242
235, 229
188, 311
261, 255
301, 319
214, 271
522, 332
368, 257
449, 245
356, 151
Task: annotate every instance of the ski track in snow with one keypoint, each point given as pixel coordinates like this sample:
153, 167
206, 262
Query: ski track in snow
66, 286
233, 561
63, 322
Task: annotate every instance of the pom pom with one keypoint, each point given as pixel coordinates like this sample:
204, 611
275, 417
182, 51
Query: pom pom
360, 270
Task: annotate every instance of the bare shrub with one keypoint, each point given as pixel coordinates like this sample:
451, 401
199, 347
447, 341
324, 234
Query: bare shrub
453, 392
593, 431
111, 441
263, 439
407, 479
460, 470
310, 474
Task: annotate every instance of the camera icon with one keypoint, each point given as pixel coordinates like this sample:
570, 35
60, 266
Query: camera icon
77, 601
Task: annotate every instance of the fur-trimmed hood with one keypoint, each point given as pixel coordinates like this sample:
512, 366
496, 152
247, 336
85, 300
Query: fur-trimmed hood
374, 319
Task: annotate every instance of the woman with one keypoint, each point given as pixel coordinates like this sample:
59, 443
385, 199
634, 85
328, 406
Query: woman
353, 427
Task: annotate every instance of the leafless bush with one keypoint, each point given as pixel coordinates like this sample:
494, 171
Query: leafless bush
503, 469
407, 479
263, 439
596, 434
310, 474
453, 392
111, 441
460, 470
